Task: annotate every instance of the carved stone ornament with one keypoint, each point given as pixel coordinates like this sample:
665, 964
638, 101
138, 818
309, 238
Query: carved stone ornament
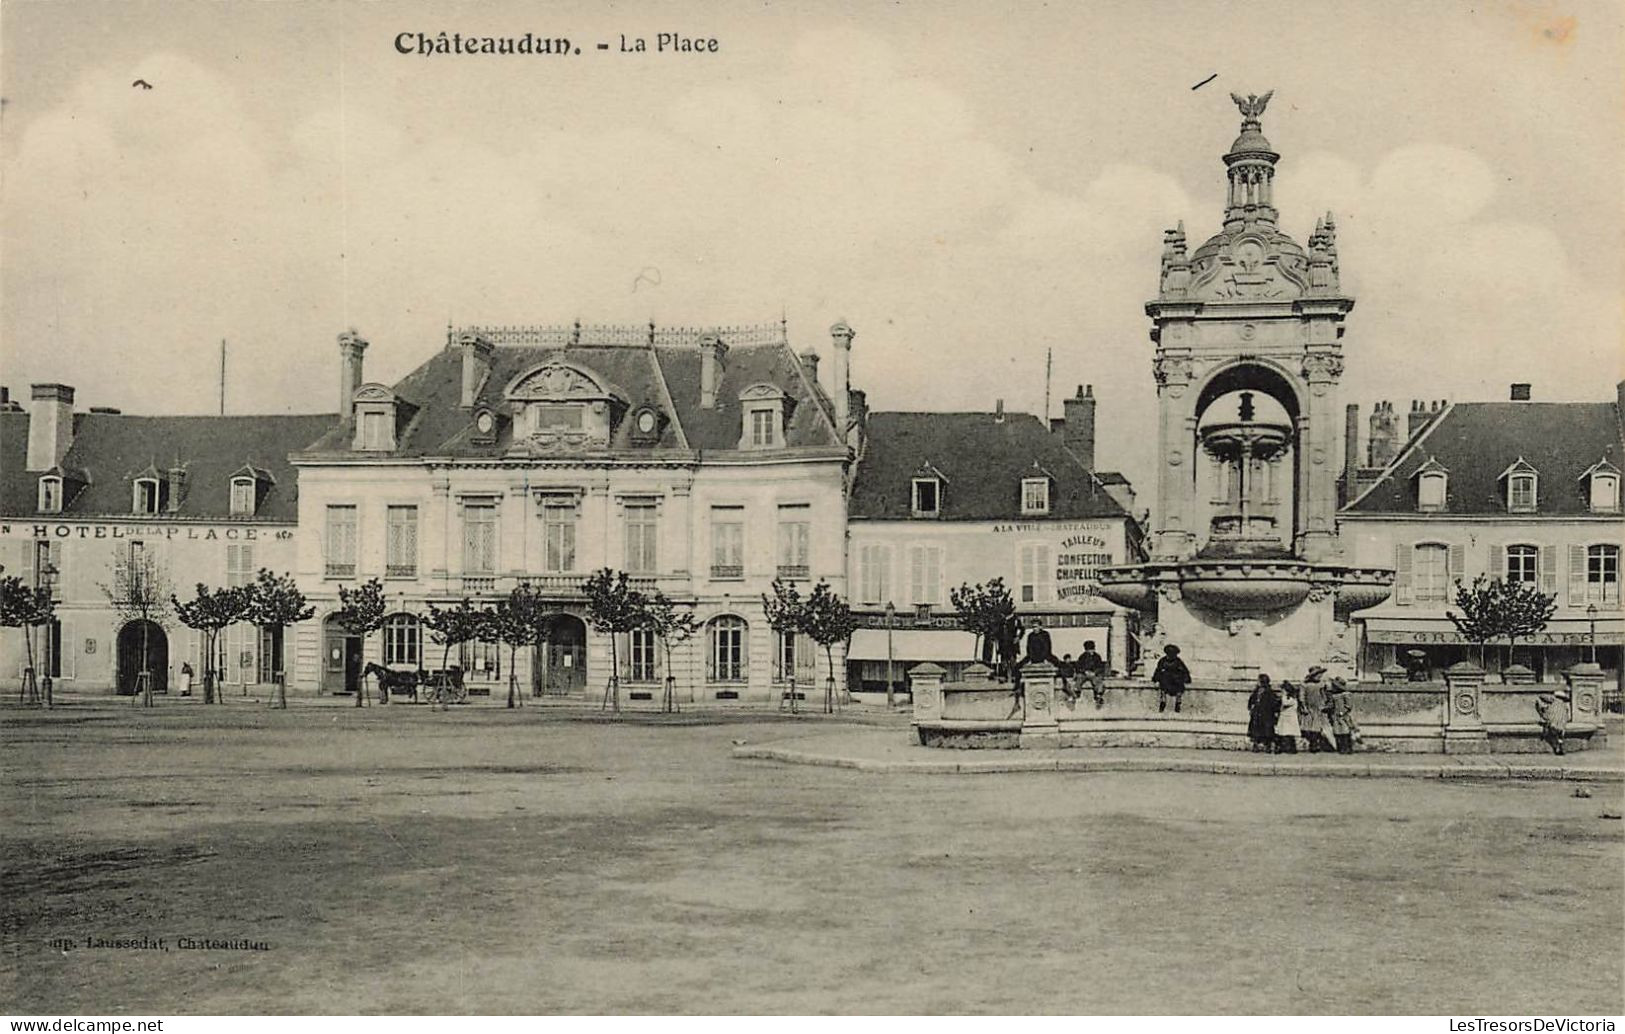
556, 382
1322, 591
1170, 592
1466, 703
1322, 367
1172, 370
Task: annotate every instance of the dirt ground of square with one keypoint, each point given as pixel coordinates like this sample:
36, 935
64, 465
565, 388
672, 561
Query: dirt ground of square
399, 860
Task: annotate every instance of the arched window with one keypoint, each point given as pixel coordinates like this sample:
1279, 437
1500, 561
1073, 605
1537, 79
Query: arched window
1604, 492
726, 656
50, 494
1430, 490
403, 641
147, 498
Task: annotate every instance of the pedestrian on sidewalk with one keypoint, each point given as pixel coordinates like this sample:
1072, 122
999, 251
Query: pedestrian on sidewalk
1340, 705
1312, 711
1263, 707
1092, 669
1553, 712
1171, 677
1286, 720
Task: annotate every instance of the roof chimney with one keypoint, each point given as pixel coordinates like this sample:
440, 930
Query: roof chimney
712, 353
1520, 392
352, 347
50, 425
1416, 419
476, 365
1383, 440
1351, 444
1079, 435
809, 363
177, 487
841, 335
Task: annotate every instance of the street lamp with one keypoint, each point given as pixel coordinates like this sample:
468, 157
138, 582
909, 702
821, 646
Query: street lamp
1591, 615
891, 619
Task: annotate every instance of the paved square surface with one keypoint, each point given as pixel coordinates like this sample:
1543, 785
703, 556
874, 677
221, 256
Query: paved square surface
401, 860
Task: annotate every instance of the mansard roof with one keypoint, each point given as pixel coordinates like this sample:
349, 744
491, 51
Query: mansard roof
662, 377
110, 449
1480, 442
981, 460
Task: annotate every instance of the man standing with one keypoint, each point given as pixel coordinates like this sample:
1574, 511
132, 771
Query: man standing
1039, 650
1171, 677
1312, 711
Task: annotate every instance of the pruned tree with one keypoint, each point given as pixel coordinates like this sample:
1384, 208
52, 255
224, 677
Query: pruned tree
209, 613
361, 612
1525, 610
613, 607
275, 603
453, 626
827, 620
674, 625
786, 612
1493, 609
139, 590
984, 610
523, 618
27, 607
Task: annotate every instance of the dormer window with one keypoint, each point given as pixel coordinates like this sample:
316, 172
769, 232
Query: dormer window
376, 414
243, 491
1602, 487
1034, 496
50, 494
927, 497
763, 409
1521, 487
1432, 487
148, 498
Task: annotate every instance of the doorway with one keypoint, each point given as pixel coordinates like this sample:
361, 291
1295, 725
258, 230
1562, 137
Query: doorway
341, 658
559, 665
130, 639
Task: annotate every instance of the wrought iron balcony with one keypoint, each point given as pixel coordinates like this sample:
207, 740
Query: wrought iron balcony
727, 572
400, 570
337, 570
794, 572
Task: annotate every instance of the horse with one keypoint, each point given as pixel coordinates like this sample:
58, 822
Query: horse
401, 683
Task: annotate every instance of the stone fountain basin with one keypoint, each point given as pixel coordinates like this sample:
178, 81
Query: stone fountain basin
1244, 587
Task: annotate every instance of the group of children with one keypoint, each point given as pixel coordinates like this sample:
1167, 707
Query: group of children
1277, 717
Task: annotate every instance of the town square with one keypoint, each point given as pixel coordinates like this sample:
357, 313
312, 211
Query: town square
1156, 554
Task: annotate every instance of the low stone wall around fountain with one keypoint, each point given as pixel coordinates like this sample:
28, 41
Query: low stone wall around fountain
1457, 716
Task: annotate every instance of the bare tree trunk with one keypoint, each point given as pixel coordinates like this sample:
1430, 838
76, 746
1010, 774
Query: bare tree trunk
146, 683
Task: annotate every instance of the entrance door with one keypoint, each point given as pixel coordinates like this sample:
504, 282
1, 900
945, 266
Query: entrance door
129, 656
564, 670
341, 659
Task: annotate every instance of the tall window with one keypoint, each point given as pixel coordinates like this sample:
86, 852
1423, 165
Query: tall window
374, 430
1430, 491
146, 496
795, 536
927, 497
1037, 573
403, 641
727, 542
1521, 492
48, 566
763, 427
479, 537
50, 494
875, 581
726, 658
642, 534
793, 653
1430, 572
642, 653
239, 565
1523, 563
401, 542
1034, 496
242, 497
559, 535
480, 660
1604, 492
341, 541
1602, 574
925, 574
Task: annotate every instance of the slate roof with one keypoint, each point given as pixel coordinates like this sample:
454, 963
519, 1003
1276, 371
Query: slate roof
111, 449
1477, 441
983, 461
664, 378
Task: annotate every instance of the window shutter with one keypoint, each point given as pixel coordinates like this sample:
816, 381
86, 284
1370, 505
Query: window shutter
68, 660
1498, 564
1548, 570
1458, 563
1577, 576
56, 562
1402, 573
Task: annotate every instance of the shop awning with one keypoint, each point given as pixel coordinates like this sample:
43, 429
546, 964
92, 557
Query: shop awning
1559, 631
912, 644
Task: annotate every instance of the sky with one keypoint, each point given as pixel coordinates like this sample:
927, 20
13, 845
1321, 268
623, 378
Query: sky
969, 185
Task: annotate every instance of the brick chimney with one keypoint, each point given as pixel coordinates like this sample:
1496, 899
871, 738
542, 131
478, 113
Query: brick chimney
1416, 419
1521, 391
1079, 414
841, 336
1383, 439
476, 365
176, 476
712, 354
352, 347
1351, 441
50, 425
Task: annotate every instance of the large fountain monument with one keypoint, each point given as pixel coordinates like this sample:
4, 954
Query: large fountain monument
1246, 571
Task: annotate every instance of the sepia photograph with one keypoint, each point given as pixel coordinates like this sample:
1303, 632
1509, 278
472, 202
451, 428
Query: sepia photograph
526, 508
